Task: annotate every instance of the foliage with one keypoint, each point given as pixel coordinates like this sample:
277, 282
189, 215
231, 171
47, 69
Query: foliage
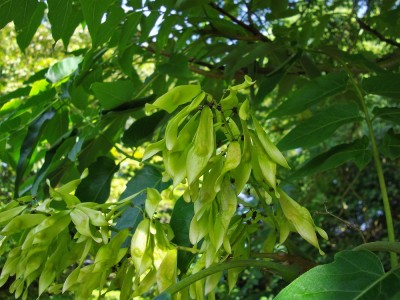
198, 84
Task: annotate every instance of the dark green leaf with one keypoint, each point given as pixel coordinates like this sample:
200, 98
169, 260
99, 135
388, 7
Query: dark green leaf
180, 223
54, 160
56, 127
391, 114
353, 275
28, 20
113, 94
64, 17
311, 93
142, 130
96, 187
383, 84
101, 139
357, 152
177, 66
391, 145
320, 126
6, 12
147, 23
28, 146
62, 69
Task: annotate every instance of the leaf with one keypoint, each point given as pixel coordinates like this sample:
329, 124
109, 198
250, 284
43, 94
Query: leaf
142, 130
391, 114
64, 17
146, 177
63, 68
311, 93
6, 12
20, 92
357, 152
383, 84
29, 144
181, 217
391, 144
113, 94
28, 16
352, 275
96, 186
177, 66
94, 13
320, 126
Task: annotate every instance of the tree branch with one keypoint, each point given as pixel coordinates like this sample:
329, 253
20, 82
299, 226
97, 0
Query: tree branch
249, 28
368, 28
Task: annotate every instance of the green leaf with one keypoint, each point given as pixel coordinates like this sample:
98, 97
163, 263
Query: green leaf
64, 17
29, 145
177, 66
94, 11
311, 93
96, 186
113, 94
142, 130
63, 68
391, 145
6, 12
357, 152
28, 20
352, 275
383, 84
181, 217
391, 114
320, 126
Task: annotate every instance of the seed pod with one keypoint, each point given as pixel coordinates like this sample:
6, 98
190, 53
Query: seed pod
244, 111
300, 218
229, 102
173, 98
96, 217
153, 149
139, 247
166, 273
272, 151
7, 215
203, 146
152, 201
232, 160
22, 222
247, 82
266, 165
185, 136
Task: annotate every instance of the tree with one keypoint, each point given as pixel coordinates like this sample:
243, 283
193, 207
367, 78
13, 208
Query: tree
186, 91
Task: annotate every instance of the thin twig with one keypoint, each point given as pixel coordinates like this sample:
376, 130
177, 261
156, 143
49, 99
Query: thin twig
380, 36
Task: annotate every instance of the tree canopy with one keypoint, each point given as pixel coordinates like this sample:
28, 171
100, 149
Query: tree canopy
162, 148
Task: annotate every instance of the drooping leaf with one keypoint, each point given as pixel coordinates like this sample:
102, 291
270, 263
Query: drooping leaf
6, 12
142, 130
96, 186
28, 16
357, 152
113, 94
101, 19
383, 84
181, 217
353, 275
20, 92
391, 114
64, 17
311, 93
28, 146
62, 69
320, 126
391, 144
